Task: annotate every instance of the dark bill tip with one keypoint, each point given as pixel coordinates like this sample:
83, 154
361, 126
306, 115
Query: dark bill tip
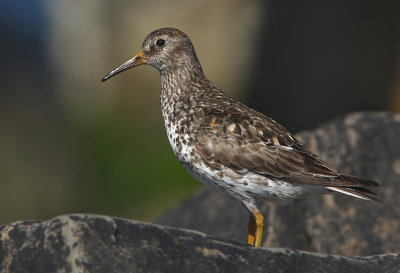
106, 77
135, 61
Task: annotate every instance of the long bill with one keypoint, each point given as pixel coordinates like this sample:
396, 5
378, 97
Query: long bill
135, 61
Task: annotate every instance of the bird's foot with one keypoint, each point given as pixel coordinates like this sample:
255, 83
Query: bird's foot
255, 228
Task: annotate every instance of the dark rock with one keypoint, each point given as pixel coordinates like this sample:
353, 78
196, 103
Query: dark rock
361, 144
91, 243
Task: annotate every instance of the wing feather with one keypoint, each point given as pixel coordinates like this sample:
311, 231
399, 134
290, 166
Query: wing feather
244, 140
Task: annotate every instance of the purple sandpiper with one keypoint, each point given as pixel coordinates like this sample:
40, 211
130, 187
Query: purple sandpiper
225, 144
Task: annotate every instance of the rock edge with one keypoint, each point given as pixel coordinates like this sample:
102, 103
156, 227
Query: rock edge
95, 243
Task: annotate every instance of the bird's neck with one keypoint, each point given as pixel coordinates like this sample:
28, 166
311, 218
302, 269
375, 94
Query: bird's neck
181, 82
181, 89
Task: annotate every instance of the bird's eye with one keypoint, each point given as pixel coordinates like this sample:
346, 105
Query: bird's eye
160, 42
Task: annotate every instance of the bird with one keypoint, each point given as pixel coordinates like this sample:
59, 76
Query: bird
228, 145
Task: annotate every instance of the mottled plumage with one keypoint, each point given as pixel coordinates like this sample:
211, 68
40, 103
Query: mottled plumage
227, 145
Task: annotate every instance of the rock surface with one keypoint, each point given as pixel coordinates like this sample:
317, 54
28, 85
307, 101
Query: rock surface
362, 144
92, 243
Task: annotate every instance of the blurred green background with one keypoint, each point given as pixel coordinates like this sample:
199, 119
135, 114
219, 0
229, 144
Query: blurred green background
69, 143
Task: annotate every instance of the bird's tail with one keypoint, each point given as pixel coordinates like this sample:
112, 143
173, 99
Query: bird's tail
362, 193
357, 191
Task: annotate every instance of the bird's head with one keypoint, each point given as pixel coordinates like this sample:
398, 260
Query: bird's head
166, 49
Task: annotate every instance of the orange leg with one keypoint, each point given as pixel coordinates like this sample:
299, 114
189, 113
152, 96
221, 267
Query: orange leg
255, 224
251, 227
259, 219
